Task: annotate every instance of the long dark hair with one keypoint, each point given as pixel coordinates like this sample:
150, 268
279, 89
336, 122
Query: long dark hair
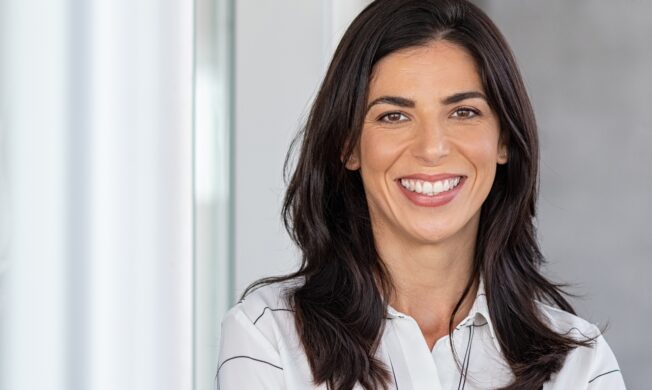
340, 309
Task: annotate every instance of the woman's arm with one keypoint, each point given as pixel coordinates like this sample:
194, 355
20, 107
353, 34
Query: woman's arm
604, 372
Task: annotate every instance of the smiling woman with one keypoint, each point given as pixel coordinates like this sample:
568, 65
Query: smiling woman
412, 203
429, 139
427, 155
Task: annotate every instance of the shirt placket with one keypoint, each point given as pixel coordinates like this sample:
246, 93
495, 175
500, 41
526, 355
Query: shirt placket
408, 353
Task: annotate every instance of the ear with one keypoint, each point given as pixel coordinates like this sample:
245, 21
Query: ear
502, 157
353, 162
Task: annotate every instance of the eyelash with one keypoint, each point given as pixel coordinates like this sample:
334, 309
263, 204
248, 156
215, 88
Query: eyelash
382, 117
475, 113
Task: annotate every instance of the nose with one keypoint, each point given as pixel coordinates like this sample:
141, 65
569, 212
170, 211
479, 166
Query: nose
431, 144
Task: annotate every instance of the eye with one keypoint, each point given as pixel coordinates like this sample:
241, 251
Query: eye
465, 113
393, 117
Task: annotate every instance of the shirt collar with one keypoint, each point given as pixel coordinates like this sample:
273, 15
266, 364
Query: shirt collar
478, 315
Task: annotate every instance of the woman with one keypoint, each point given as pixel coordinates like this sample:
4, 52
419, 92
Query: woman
412, 203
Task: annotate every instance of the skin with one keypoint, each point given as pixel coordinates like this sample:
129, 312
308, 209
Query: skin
428, 250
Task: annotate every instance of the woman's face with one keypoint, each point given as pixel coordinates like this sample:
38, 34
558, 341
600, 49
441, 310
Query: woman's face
429, 146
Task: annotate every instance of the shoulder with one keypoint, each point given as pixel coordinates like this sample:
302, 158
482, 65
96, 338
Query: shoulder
566, 323
594, 366
266, 311
268, 297
254, 334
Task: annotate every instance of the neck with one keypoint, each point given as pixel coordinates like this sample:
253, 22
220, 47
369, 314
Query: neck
429, 278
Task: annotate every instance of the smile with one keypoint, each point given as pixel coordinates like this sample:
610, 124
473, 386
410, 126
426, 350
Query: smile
429, 188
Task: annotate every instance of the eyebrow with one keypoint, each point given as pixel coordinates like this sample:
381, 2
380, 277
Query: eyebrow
409, 103
458, 97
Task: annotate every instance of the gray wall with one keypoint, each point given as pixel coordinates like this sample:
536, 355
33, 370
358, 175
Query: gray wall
586, 67
279, 51
282, 50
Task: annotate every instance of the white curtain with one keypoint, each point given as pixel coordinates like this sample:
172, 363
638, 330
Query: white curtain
96, 192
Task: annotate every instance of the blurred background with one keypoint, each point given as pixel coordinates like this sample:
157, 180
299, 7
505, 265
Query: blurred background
141, 148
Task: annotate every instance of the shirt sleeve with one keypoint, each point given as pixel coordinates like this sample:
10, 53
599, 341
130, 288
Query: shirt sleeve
247, 359
604, 373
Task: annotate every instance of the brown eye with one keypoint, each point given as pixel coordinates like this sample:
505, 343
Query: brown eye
393, 117
465, 113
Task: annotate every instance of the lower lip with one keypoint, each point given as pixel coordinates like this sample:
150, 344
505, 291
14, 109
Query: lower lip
432, 201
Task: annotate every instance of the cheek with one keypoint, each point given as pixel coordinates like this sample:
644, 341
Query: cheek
482, 152
379, 151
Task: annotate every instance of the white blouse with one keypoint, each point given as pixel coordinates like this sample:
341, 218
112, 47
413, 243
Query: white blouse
260, 349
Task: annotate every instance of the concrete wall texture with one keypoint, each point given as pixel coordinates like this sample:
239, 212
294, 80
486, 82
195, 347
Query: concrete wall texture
586, 65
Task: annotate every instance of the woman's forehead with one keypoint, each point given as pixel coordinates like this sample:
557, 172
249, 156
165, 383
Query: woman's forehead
439, 66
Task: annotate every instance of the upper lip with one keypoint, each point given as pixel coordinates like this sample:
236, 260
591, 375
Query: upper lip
425, 177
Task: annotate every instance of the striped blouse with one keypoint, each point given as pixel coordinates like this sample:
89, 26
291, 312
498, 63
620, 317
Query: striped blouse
260, 349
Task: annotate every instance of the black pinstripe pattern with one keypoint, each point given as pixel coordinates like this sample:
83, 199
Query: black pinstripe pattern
246, 357
603, 374
270, 309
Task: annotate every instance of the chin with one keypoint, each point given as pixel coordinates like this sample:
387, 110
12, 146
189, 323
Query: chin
431, 237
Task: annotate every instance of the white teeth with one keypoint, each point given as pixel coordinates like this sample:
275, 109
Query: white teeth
439, 186
430, 188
